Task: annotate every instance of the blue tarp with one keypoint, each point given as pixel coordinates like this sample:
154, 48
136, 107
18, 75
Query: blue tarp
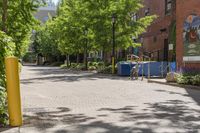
156, 68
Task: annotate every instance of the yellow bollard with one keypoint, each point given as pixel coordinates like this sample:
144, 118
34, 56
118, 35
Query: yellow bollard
113, 65
13, 90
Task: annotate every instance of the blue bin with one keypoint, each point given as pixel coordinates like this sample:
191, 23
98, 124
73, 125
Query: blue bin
124, 68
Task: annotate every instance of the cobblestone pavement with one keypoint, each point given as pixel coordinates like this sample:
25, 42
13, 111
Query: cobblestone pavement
61, 101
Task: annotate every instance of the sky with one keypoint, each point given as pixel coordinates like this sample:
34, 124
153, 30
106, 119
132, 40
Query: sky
55, 1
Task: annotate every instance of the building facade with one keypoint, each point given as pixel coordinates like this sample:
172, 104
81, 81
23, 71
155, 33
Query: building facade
155, 41
175, 34
188, 34
43, 13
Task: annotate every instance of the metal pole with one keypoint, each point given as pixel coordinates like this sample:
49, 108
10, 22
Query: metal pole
162, 69
86, 49
113, 50
143, 68
149, 69
86, 55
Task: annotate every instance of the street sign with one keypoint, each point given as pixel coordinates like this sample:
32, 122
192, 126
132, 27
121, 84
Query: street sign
171, 47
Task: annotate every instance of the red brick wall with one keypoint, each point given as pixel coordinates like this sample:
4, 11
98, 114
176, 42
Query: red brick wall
184, 8
157, 7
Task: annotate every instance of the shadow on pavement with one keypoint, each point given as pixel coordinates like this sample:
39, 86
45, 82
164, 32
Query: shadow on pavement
7, 129
192, 93
176, 113
55, 74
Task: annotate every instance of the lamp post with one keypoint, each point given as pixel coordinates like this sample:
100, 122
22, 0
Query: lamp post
86, 47
113, 47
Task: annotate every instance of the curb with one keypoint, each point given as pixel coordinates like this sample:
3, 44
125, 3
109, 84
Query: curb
175, 84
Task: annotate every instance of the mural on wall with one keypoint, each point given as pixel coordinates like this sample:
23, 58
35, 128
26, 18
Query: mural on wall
191, 37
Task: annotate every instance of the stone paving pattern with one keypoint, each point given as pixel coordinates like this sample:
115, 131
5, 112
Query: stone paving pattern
61, 101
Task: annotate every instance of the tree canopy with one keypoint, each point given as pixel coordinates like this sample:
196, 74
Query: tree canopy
91, 20
19, 22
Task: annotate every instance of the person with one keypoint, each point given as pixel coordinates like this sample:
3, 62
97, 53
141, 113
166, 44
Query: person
134, 71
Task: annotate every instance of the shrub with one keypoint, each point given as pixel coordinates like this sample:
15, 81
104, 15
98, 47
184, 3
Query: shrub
196, 80
101, 64
3, 108
90, 63
73, 65
91, 68
64, 66
6, 48
80, 66
107, 70
56, 64
184, 79
189, 79
29, 57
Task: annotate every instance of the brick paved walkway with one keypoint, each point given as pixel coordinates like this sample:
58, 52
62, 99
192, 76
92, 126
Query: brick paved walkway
60, 101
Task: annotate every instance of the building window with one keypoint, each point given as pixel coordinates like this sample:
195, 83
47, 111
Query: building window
168, 6
147, 12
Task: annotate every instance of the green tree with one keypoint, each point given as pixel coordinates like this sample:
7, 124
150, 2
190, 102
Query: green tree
16, 24
96, 16
75, 17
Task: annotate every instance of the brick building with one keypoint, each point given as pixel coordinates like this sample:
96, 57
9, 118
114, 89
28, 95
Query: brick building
160, 34
165, 39
188, 22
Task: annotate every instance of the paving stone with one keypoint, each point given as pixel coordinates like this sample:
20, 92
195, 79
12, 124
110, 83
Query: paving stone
61, 101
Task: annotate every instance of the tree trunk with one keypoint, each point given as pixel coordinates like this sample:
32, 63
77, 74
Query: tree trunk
77, 58
67, 60
103, 53
85, 57
4, 15
85, 60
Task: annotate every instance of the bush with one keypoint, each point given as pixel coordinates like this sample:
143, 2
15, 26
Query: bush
29, 57
64, 66
73, 65
80, 66
3, 108
90, 63
196, 80
6, 47
56, 64
189, 79
107, 70
91, 68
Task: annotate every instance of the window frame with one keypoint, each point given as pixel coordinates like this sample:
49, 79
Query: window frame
167, 3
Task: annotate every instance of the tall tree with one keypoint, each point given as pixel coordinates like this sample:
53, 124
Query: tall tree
75, 16
4, 15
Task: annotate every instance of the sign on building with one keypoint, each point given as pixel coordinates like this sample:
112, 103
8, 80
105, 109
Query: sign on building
191, 38
171, 46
